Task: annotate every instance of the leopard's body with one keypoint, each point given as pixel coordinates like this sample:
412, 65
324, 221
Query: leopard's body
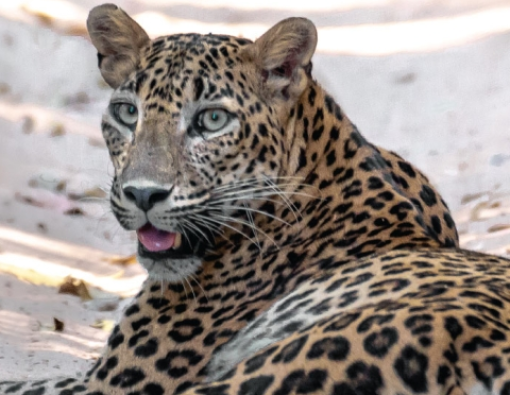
313, 261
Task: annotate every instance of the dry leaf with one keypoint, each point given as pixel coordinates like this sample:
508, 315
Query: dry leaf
57, 130
28, 200
4, 88
407, 78
76, 30
498, 228
89, 193
476, 211
77, 98
103, 304
61, 186
48, 182
123, 260
29, 275
59, 325
96, 142
74, 211
44, 19
105, 325
471, 196
48, 200
72, 286
42, 227
27, 125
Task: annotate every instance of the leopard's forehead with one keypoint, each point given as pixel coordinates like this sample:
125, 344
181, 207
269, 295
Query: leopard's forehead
198, 41
208, 52
170, 62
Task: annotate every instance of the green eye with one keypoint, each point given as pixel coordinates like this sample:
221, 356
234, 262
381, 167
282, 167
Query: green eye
213, 120
126, 113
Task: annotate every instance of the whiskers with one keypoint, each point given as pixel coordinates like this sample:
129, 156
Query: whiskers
229, 206
185, 281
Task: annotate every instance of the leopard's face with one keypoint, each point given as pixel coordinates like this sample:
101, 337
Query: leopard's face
191, 141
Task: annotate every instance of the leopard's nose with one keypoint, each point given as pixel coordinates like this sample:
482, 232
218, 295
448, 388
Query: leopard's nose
145, 198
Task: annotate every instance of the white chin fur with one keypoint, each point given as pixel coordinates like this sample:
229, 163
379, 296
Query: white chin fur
170, 270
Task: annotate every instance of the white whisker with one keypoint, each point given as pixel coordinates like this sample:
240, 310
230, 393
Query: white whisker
254, 228
184, 227
196, 231
262, 188
291, 207
191, 288
241, 222
247, 209
228, 226
253, 181
209, 226
199, 285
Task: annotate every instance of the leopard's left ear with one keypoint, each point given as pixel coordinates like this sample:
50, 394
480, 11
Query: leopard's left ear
118, 40
283, 56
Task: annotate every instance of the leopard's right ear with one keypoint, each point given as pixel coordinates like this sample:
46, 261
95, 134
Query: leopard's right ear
118, 40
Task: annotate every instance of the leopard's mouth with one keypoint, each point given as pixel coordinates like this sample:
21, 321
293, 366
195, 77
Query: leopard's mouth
156, 244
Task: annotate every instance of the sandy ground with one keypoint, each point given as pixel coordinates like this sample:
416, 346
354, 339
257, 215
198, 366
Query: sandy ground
426, 78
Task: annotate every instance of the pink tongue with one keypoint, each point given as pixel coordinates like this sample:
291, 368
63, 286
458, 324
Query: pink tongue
154, 239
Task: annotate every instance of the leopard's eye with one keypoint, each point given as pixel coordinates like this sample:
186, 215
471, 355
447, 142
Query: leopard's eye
213, 119
126, 113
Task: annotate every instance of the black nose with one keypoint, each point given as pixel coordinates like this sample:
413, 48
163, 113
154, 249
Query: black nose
145, 198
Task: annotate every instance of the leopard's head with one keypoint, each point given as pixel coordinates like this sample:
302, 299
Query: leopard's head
198, 127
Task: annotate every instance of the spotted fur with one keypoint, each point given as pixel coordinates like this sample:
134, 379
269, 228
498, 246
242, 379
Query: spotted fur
312, 261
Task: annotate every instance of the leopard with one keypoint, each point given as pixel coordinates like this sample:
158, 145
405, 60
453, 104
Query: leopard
285, 253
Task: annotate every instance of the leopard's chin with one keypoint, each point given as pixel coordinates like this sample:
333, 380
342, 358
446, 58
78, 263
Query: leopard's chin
173, 264
170, 270
173, 261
